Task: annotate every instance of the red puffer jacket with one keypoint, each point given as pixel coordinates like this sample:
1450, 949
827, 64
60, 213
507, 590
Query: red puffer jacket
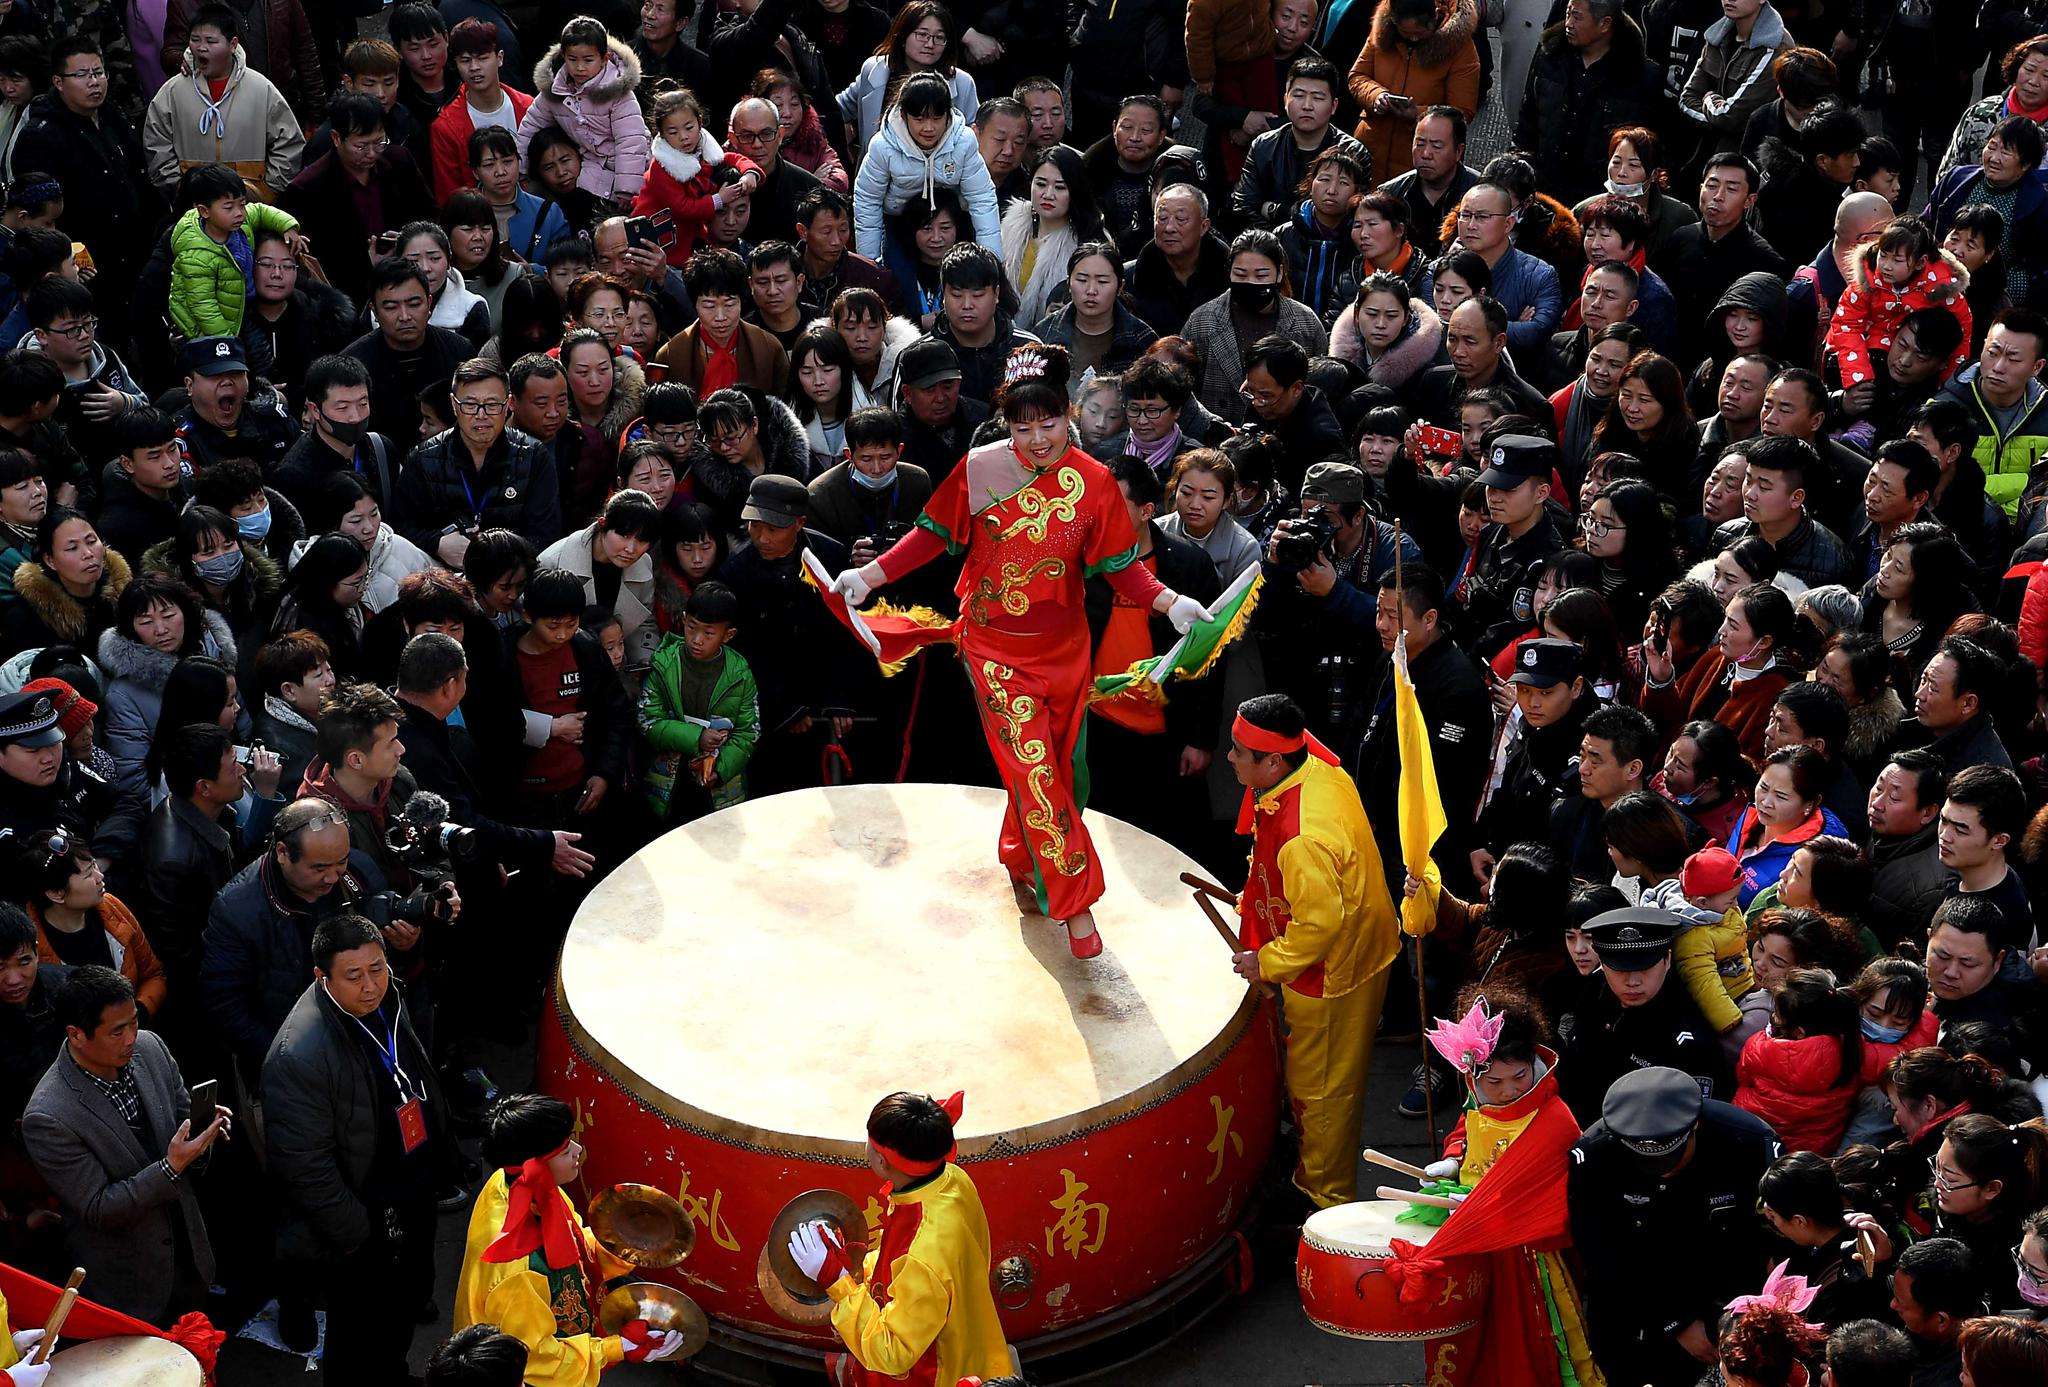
1791, 1084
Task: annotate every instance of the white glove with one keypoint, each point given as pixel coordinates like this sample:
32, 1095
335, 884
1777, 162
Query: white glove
670, 1341
856, 585
1185, 612
27, 1374
25, 1341
807, 1247
1445, 1169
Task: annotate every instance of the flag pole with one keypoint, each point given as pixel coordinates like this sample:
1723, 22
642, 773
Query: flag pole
1421, 993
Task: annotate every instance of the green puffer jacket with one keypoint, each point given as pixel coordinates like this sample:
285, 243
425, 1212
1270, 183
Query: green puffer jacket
207, 289
675, 743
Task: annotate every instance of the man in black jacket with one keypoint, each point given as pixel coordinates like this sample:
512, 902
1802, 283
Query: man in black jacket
1702, 259
479, 475
405, 353
227, 412
1183, 266
975, 308
1476, 338
1140, 759
1643, 1018
1907, 879
1284, 404
93, 151
355, 1128
1589, 77
332, 194
43, 787
757, 135
1268, 189
337, 397
940, 423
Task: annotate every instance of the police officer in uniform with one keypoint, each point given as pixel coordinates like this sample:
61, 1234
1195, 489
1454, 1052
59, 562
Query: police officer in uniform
1662, 1192
258, 428
1499, 595
1539, 752
42, 786
1645, 1019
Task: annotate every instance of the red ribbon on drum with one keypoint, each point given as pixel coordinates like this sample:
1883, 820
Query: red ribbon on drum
1411, 1269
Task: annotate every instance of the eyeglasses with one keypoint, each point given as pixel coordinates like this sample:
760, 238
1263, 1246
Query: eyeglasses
2034, 1274
480, 409
1597, 528
676, 433
1147, 411
363, 149
91, 74
78, 331
1948, 1182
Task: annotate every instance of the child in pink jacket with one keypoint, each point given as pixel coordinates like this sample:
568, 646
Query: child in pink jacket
586, 85
680, 179
1903, 273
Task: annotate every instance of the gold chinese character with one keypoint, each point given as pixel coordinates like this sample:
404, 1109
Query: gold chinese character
1072, 1228
707, 1214
1223, 1134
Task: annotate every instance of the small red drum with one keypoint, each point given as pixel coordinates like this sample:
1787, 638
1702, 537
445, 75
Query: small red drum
1341, 1269
732, 1001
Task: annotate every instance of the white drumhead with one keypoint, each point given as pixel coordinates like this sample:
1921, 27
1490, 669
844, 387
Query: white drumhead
1365, 1228
124, 1362
778, 966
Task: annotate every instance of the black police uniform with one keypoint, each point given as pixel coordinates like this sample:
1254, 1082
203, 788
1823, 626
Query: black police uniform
1535, 777
263, 434
1609, 1040
1499, 596
1662, 1253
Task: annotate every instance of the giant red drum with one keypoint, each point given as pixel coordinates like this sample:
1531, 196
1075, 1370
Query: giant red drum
1341, 1269
732, 1001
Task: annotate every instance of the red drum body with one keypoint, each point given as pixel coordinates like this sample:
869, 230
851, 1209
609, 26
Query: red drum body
1341, 1270
732, 1002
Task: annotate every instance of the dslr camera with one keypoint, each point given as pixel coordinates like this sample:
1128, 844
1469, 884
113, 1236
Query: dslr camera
1299, 540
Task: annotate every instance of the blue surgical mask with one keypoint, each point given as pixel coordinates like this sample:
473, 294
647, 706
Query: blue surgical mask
1883, 1035
254, 528
221, 568
881, 483
1685, 800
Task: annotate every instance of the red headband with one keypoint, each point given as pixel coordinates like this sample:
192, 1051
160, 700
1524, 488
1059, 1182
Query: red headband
1254, 738
536, 1217
952, 1108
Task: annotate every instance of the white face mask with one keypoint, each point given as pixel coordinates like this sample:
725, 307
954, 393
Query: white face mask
1626, 189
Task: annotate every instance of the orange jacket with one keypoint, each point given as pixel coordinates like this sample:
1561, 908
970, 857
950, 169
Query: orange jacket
133, 956
1222, 32
1442, 70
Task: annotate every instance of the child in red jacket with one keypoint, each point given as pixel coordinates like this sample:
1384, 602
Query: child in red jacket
679, 176
1803, 1072
1904, 272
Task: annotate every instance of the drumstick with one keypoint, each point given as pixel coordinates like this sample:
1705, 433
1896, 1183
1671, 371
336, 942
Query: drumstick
1209, 909
1208, 887
1413, 1172
58, 1316
1866, 1252
1435, 1201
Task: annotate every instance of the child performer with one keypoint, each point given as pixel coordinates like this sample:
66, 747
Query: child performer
921, 1310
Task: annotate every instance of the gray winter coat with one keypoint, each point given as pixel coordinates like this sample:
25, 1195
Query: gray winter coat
136, 677
1223, 368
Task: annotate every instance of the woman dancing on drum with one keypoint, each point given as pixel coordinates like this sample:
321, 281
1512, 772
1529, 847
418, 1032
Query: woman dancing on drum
1514, 1126
1035, 517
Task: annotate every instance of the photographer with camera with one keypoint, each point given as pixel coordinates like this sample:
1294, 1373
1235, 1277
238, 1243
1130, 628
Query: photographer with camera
1323, 568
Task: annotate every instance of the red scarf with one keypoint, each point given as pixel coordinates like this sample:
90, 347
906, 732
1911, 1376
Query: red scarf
721, 364
1572, 317
536, 1217
2038, 114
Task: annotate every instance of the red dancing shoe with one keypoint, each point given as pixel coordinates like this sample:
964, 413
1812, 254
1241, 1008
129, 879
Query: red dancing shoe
1087, 947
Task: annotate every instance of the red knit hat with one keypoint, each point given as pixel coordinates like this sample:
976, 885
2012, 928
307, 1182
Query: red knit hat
1709, 872
75, 711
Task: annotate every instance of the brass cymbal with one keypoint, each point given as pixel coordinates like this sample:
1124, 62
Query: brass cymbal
663, 1307
835, 1208
642, 1226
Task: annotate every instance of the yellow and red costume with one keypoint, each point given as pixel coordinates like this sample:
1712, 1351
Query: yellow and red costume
1534, 1331
1315, 906
924, 1313
1031, 538
541, 1287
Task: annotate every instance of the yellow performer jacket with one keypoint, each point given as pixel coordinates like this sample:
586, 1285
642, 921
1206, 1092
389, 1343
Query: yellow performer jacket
924, 1314
553, 1313
1315, 905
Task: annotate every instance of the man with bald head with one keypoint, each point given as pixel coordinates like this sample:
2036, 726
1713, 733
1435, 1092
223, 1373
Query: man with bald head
757, 133
1810, 298
1184, 265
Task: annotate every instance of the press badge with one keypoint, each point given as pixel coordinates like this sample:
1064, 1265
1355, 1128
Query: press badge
412, 1125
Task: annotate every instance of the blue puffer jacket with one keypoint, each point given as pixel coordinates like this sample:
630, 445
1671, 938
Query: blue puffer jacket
896, 170
1522, 281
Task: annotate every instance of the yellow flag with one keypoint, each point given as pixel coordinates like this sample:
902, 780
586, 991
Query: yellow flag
1421, 807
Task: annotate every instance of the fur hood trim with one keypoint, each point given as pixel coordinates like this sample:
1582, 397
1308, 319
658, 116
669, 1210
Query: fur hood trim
58, 609
124, 657
618, 77
1456, 22
627, 395
684, 166
1863, 270
1872, 726
785, 443
1414, 351
261, 568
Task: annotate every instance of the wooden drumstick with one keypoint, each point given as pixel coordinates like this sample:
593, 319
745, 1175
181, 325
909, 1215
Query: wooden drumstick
57, 1316
1866, 1252
1216, 919
1208, 887
1435, 1201
1413, 1172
